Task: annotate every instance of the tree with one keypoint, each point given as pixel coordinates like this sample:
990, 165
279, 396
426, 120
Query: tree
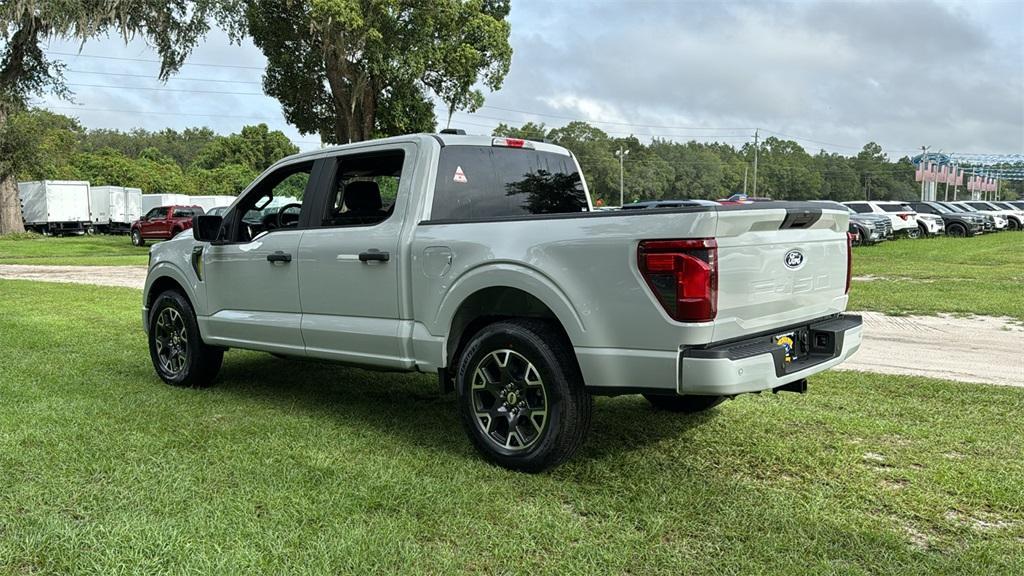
38, 145
255, 147
172, 26
350, 71
528, 131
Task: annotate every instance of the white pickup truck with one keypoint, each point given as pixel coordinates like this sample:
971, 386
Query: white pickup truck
481, 260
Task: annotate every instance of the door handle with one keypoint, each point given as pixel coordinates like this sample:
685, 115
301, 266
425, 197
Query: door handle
374, 255
279, 257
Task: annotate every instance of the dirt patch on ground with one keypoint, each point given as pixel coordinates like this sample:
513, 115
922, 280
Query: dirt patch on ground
971, 349
121, 276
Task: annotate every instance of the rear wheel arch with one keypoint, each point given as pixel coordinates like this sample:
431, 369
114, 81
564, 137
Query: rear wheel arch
490, 305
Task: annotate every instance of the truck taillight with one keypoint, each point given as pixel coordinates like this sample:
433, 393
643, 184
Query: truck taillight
904, 216
849, 261
683, 275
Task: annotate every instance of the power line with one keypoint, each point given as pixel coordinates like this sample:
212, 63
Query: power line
144, 113
151, 77
206, 64
169, 90
610, 121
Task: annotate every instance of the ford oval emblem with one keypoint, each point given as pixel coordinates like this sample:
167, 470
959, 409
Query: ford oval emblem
794, 259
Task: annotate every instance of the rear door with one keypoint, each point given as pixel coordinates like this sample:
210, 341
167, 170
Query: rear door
352, 262
779, 267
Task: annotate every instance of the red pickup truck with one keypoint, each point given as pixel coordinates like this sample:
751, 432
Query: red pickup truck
163, 223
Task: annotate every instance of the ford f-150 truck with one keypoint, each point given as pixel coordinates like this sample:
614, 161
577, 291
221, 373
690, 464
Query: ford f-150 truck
481, 260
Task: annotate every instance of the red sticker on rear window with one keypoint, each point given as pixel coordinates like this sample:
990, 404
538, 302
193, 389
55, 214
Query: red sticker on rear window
460, 176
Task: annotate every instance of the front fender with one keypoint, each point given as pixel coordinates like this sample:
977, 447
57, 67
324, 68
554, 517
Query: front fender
172, 260
511, 275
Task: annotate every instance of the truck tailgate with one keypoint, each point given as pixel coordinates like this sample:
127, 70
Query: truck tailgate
778, 268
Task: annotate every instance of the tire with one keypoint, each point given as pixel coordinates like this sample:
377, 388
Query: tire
913, 233
923, 231
686, 404
179, 355
956, 230
862, 237
1012, 224
137, 239
516, 367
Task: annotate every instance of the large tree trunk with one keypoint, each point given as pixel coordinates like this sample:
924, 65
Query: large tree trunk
10, 207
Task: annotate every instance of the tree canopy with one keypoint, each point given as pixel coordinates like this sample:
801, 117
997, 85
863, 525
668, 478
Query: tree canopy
350, 71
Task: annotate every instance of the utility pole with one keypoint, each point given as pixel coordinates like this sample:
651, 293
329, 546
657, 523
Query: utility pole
867, 187
755, 162
745, 168
924, 151
622, 153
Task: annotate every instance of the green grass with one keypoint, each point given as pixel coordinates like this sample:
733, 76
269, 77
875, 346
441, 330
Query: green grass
99, 250
301, 467
982, 275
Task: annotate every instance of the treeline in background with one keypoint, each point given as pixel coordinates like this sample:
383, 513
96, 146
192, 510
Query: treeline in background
50, 146
665, 169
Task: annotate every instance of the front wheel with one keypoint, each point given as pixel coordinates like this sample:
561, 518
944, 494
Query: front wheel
137, 239
521, 395
956, 230
686, 403
913, 233
1012, 224
177, 350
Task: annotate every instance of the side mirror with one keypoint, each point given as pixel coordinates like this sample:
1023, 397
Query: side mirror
206, 228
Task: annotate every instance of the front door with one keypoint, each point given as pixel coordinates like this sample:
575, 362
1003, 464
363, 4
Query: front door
351, 260
155, 222
251, 276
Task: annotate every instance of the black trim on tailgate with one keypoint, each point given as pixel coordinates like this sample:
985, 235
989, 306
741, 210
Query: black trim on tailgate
820, 341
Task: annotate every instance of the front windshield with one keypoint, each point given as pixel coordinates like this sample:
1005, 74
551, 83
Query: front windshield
940, 208
966, 207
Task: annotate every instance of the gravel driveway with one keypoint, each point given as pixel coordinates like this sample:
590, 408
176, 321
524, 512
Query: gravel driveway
973, 349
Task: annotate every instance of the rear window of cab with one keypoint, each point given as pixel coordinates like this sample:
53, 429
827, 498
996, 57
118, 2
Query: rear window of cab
484, 182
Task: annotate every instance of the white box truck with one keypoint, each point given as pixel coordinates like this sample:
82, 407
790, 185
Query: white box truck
210, 202
150, 201
99, 209
55, 206
124, 207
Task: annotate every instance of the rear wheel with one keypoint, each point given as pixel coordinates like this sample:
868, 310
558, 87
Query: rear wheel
913, 232
137, 239
521, 396
686, 403
177, 350
957, 230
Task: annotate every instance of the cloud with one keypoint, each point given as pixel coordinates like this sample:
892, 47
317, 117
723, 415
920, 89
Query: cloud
836, 74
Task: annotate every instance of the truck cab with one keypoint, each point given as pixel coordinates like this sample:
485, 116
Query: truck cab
163, 222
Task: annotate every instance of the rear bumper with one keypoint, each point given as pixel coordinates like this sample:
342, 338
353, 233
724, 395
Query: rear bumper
757, 364
750, 365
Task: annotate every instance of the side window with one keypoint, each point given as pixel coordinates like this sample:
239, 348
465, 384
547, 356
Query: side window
923, 208
365, 188
860, 208
156, 213
481, 182
274, 202
183, 213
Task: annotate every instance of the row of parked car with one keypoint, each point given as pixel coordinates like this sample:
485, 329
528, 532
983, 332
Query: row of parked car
877, 221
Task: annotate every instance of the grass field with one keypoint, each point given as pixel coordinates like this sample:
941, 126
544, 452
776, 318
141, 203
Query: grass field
99, 250
982, 275
296, 467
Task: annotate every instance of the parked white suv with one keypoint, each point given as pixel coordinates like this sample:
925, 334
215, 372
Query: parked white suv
481, 260
1014, 217
904, 218
999, 219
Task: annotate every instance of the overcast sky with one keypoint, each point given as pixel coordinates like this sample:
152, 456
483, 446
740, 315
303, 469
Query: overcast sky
830, 75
